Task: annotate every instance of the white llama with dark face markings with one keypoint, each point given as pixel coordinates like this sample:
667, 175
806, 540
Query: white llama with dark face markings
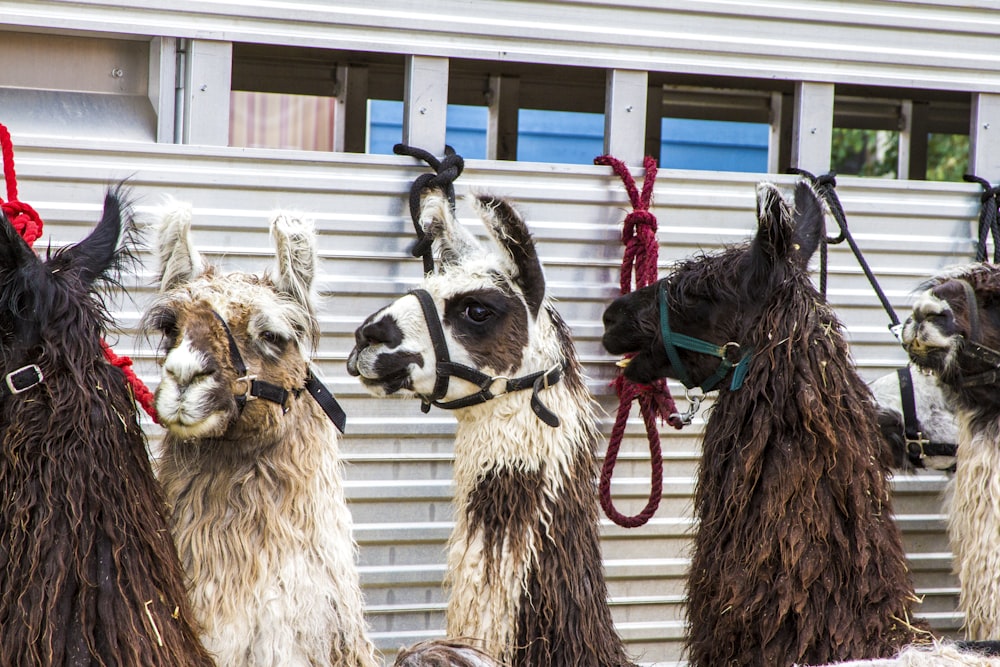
260, 519
954, 331
524, 563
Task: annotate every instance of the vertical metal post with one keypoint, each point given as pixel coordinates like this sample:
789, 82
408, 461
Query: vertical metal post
207, 86
350, 123
503, 102
812, 126
625, 115
162, 80
654, 122
984, 136
425, 103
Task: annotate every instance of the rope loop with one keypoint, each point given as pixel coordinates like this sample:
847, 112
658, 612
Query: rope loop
446, 171
989, 224
639, 262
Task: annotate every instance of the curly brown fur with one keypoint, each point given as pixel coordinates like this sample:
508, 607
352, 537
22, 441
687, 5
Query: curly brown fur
796, 558
88, 571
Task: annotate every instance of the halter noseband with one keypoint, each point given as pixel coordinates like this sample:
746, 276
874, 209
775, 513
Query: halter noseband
673, 340
972, 349
276, 394
446, 369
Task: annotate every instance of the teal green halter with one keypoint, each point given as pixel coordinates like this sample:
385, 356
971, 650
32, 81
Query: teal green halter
673, 340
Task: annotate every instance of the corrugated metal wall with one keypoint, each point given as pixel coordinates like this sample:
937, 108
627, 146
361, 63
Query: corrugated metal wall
399, 470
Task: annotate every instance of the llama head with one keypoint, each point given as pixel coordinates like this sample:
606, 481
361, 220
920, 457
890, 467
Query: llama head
490, 303
50, 312
202, 313
717, 297
954, 332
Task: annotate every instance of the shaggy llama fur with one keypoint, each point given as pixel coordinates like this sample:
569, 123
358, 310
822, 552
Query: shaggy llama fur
259, 513
936, 336
939, 654
443, 653
524, 573
88, 572
796, 557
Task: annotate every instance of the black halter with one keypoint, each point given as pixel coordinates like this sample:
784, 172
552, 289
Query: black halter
972, 349
446, 369
917, 446
271, 392
21, 380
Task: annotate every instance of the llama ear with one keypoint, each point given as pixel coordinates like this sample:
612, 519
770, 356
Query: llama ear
180, 262
452, 242
96, 254
295, 250
809, 223
774, 229
512, 236
14, 252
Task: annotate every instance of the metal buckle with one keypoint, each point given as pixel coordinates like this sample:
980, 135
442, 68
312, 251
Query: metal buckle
9, 379
249, 379
919, 441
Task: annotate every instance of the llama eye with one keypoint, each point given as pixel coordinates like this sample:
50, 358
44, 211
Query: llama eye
272, 338
477, 312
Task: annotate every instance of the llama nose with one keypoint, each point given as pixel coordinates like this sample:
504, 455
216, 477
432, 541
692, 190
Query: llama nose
383, 331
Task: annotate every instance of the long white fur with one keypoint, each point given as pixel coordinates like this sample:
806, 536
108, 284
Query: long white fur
937, 655
281, 588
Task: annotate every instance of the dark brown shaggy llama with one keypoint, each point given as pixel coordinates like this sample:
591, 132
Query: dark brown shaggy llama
88, 570
796, 557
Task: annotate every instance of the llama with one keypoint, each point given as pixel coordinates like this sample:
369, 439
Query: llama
924, 439
796, 558
443, 653
480, 336
258, 507
953, 331
88, 572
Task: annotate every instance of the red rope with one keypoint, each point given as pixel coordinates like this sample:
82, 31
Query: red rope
641, 251
28, 224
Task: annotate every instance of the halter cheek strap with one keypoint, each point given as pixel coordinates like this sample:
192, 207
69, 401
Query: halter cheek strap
21, 380
673, 340
446, 369
274, 393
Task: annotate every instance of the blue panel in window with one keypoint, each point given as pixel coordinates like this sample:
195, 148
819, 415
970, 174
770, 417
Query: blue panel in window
713, 145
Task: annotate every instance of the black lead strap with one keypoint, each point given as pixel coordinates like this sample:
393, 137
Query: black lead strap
989, 224
826, 188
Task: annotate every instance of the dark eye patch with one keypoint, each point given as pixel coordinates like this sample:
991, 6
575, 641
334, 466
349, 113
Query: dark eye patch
491, 324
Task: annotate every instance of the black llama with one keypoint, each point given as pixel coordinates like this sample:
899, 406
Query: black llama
88, 570
796, 558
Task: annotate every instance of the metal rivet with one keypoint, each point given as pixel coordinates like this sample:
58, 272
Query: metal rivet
628, 109
117, 73
204, 87
423, 110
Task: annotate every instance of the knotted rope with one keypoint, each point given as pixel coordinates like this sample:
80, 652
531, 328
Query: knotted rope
825, 186
28, 224
640, 258
446, 171
989, 225
24, 218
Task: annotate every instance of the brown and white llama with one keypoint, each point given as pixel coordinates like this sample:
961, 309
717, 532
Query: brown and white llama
954, 331
259, 513
480, 336
796, 558
88, 572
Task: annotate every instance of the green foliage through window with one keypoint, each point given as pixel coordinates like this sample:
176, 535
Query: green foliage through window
875, 153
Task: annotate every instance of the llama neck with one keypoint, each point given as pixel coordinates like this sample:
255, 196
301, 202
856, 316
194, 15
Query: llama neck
974, 522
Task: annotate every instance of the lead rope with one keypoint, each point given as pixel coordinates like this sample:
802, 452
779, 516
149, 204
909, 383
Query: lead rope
446, 171
640, 258
28, 224
989, 225
825, 186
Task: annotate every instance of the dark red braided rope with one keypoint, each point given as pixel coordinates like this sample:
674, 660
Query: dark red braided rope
29, 225
640, 257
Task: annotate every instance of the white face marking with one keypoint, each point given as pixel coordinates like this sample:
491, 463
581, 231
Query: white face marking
184, 397
919, 331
